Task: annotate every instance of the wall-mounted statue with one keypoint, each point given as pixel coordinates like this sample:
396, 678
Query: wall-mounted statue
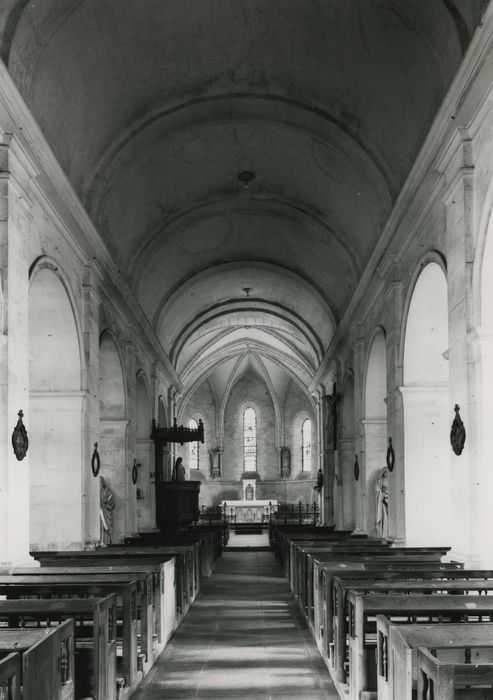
285, 463
106, 508
214, 462
382, 503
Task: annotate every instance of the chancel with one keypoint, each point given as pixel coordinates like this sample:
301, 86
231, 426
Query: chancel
246, 348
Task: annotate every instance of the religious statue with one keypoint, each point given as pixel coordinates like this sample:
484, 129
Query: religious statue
249, 492
178, 470
285, 463
106, 508
214, 462
382, 503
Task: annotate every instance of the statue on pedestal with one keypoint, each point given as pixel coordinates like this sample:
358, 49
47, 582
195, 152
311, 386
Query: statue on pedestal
214, 462
285, 463
249, 493
382, 503
106, 508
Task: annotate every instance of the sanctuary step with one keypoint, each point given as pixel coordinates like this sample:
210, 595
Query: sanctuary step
249, 528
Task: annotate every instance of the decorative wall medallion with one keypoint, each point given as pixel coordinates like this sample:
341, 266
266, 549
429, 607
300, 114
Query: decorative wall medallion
356, 468
20, 442
458, 432
390, 456
95, 461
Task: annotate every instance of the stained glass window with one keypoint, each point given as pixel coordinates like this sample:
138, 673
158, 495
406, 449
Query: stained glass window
249, 440
306, 446
193, 447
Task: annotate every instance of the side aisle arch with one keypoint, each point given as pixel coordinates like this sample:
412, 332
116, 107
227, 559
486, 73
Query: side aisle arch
56, 411
427, 463
113, 430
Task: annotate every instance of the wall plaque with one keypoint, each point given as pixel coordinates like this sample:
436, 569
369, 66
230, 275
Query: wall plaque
20, 442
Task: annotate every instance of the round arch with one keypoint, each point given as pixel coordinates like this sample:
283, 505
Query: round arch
56, 411
374, 427
426, 409
113, 425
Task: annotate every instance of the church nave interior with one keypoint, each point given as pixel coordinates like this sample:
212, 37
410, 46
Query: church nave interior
246, 296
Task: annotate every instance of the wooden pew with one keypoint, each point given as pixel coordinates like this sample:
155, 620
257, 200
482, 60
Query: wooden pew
158, 620
183, 556
443, 680
167, 614
325, 574
47, 660
95, 586
305, 575
145, 579
304, 555
343, 588
98, 681
10, 676
398, 645
362, 608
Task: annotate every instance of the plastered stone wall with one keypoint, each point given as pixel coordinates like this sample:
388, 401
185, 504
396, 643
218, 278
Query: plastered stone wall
296, 409
252, 390
201, 405
248, 391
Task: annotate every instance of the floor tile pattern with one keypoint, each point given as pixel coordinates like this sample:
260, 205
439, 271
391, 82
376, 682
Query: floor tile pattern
244, 638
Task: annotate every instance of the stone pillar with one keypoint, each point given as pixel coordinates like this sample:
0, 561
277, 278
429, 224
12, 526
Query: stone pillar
90, 483
460, 256
481, 342
359, 486
114, 469
131, 450
345, 451
146, 505
14, 350
375, 440
56, 483
428, 477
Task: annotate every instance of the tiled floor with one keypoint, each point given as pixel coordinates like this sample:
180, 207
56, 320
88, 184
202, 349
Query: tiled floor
244, 638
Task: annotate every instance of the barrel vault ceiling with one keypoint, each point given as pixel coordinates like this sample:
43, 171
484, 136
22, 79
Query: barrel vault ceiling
160, 112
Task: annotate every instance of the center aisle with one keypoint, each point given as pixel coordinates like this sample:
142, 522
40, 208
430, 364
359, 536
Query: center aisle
243, 638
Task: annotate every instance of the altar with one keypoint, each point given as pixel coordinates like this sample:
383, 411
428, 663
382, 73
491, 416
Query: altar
247, 511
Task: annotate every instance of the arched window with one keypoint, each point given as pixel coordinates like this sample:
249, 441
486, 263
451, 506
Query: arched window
193, 447
306, 445
249, 440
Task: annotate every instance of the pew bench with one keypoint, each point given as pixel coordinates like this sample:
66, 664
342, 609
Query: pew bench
144, 578
163, 623
398, 644
183, 556
10, 676
47, 660
363, 610
443, 680
346, 587
303, 560
90, 586
326, 573
95, 638
165, 593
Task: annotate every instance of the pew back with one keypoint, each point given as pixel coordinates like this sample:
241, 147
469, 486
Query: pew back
10, 677
47, 660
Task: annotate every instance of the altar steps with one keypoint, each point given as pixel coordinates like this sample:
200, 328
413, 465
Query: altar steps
249, 528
